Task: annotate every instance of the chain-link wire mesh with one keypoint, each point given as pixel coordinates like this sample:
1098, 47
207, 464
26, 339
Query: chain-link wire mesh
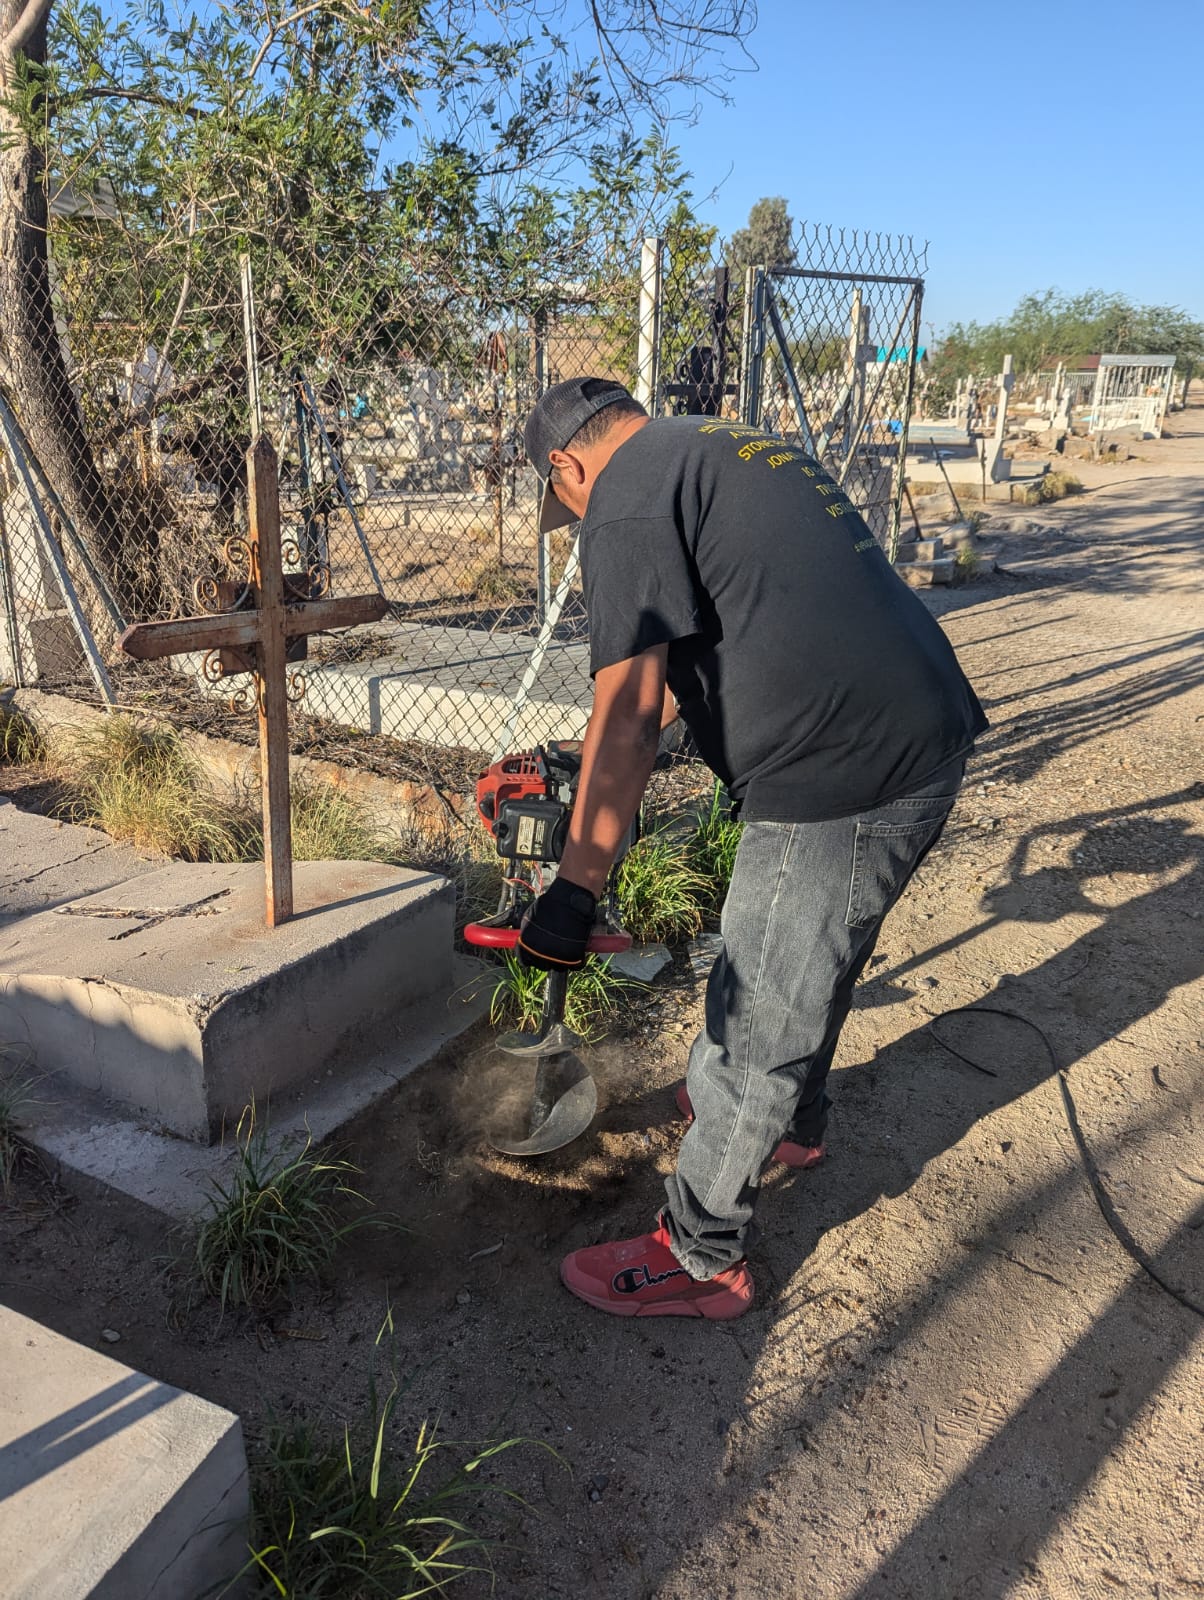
396, 391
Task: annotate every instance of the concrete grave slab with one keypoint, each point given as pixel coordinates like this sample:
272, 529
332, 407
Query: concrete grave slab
44, 863
113, 1486
450, 686
167, 993
93, 1145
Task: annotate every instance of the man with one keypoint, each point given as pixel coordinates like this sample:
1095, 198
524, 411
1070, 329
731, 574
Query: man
728, 579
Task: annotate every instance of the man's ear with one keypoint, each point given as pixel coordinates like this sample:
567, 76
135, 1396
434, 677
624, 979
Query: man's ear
571, 467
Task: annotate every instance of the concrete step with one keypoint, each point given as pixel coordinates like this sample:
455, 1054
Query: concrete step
926, 550
167, 994
923, 574
112, 1486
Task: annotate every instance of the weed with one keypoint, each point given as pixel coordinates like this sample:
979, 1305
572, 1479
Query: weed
141, 786
20, 742
277, 1220
967, 563
1053, 486
712, 846
1057, 485
16, 1097
595, 993
338, 1515
494, 583
977, 520
660, 892
328, 824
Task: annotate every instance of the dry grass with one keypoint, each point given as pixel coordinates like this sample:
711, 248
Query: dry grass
1053, 486
20, 742
17, 1084
494, 583
141, 787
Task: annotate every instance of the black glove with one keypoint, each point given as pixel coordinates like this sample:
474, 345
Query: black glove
556, 928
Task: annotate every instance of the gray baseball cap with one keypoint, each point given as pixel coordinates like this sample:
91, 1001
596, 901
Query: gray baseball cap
560, 413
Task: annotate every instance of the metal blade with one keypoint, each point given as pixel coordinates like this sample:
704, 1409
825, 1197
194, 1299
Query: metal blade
572, 1111
558, 1040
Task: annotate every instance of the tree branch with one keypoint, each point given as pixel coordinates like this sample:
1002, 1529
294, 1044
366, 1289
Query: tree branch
26, 25
73, 96
278, 28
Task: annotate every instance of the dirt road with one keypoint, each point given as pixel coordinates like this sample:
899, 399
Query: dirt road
956, 1383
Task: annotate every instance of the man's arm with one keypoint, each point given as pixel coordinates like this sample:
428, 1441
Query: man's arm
630, 703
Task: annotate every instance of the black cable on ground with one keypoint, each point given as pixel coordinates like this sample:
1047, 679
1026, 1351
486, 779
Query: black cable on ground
1102, 1198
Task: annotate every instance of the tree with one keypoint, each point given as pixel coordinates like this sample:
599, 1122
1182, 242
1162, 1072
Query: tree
384, 166
1049, 327
767, 241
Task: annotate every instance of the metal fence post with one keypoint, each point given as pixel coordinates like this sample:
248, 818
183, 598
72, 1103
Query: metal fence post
54, 559
251, 338
652, 283
896, 512
752, 365
9, 599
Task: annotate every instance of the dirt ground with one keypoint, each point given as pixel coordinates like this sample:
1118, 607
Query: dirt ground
955, 1382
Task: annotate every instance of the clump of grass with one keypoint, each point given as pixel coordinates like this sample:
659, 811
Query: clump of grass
280, 1218
967, 563
1057, 485
20, 742
331, 825
594, 994
16, 1097
1053, 486
141, 786
493, 582
345, 1514
712, 846
660, 892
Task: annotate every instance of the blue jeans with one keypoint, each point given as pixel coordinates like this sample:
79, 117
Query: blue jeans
803, 913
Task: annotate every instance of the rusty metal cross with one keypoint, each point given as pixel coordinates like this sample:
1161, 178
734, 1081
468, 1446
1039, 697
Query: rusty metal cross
255, 637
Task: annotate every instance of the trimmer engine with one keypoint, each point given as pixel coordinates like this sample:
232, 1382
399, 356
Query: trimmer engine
526, 802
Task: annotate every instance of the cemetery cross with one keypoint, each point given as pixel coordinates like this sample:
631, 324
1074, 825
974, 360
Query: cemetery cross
256, 638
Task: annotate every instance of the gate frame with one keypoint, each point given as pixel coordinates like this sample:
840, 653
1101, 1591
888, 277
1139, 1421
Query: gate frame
760, 306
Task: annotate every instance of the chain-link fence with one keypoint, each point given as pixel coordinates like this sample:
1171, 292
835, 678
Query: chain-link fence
396, 392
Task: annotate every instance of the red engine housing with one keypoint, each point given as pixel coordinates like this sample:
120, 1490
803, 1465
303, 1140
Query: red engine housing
517, 777
541, 774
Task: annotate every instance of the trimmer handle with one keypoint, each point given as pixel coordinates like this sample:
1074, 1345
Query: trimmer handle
602, 942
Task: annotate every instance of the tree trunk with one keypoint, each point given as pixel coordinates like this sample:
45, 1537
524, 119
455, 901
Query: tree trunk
30, 342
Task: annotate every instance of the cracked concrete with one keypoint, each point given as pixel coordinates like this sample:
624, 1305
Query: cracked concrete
44, 863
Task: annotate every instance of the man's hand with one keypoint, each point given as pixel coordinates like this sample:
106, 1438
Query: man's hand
556, 928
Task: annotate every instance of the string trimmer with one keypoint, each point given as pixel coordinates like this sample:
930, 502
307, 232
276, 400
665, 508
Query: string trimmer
526, 801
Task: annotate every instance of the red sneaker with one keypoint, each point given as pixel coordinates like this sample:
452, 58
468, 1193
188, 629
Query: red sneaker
643, 1278
788, 1152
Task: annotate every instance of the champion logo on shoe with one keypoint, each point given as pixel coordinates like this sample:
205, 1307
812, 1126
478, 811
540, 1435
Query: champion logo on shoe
642, 1277
632, 1279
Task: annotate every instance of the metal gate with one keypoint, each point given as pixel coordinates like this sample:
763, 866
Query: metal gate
827, 356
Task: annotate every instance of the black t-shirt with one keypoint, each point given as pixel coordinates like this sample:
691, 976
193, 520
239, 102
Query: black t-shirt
814, 682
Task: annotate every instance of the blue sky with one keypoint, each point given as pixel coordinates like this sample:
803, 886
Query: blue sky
1033, 145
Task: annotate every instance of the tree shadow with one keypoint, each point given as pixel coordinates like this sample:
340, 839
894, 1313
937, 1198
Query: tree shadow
973, 1541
